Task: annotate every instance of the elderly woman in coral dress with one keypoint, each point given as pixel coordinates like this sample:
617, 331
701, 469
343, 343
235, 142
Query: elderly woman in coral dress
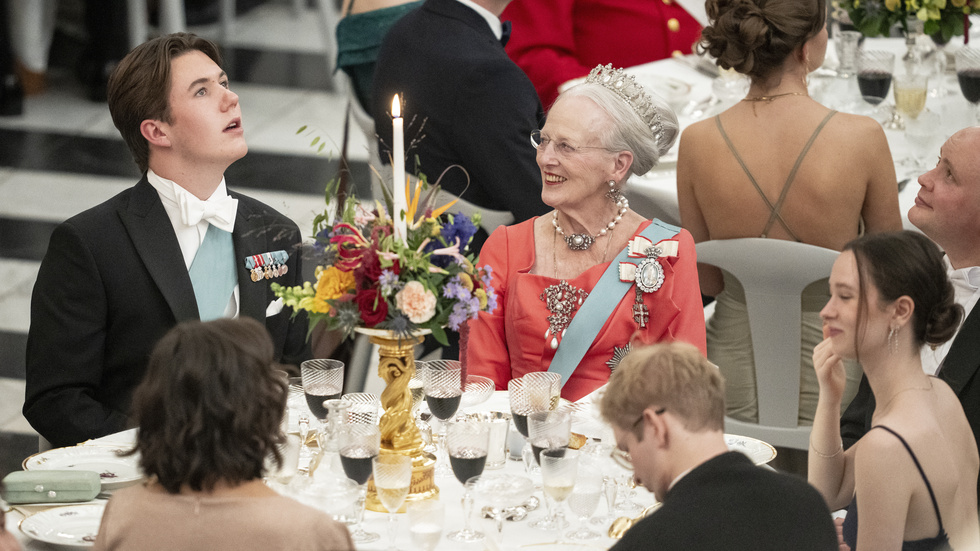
577, 286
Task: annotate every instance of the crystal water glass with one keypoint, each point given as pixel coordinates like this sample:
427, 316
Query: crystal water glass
392, 480
364, 407
585, 496
425, 522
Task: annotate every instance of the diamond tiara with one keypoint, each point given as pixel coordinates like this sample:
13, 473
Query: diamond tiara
626, 87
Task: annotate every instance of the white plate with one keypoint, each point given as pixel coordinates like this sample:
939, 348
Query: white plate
758, 451
115, 471
74, 526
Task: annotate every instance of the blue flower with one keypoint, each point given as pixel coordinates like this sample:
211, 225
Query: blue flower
461, 227
458, 316
491, 299
453, 288
388, 281
322, 239
485, 278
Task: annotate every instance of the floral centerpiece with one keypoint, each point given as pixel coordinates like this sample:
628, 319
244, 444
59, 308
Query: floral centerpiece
941, 18
367, 277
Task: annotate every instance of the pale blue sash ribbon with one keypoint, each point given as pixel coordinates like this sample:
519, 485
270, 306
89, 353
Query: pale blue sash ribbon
598, 306
213, 273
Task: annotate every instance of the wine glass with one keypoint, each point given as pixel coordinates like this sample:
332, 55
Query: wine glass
543, 389
923, 135
417, 387
968, 74
364, 407
425, 521
392, 478
520, 405
359, 444
548, 430
443, 391
467, 442
322, 380
910, 96
559, 468
875, 69
585, 496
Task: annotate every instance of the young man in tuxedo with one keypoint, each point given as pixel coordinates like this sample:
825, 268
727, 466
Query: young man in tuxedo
175, 246
947, 210
666, 404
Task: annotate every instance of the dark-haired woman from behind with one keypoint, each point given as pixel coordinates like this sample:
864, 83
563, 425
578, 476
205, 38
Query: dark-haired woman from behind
210, 410
908, 482
777, 165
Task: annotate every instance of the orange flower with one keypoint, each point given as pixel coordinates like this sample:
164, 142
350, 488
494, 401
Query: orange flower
331, 284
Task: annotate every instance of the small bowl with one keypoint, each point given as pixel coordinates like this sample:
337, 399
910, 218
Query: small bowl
476, 390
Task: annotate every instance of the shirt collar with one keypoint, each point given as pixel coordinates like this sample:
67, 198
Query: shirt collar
170, 191
968, 276
492, 19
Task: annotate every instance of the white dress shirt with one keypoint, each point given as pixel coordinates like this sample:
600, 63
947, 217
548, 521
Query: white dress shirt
189, 237
966, 287
492, 19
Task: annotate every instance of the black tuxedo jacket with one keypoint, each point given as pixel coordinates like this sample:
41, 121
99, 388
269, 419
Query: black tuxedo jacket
112, 282
729, 504
479, 108
959, 370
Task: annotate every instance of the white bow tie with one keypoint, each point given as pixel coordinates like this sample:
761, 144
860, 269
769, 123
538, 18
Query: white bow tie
218, 211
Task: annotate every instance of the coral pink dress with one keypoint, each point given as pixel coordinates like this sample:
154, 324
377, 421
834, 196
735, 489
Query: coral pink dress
511, 341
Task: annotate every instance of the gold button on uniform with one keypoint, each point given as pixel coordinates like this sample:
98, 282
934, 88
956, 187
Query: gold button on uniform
668, 2
673, 24
677, 53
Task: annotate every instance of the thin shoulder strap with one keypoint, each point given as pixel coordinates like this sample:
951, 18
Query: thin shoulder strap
932, 496
792, 176
731, 147
350, 7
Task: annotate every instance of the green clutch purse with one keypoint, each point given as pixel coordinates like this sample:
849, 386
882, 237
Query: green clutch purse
51, 486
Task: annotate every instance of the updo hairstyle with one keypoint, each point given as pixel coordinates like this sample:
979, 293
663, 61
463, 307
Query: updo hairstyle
628, 132
210, 406
907, 263
755, 37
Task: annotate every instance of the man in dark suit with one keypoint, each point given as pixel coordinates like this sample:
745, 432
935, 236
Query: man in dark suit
666, 404
446, 62
947, 210
174, 247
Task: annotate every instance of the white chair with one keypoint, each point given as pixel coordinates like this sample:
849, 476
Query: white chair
773, 273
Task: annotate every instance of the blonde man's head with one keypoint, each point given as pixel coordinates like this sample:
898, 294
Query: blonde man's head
673, 376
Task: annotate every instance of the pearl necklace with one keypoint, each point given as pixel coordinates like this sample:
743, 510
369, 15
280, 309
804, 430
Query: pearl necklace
582, 241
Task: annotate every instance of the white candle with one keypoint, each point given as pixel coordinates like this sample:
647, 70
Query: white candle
399, 200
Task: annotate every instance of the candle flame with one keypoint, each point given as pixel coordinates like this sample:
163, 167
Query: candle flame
396, 107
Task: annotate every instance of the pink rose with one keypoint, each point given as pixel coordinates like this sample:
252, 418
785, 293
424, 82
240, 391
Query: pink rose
417, 302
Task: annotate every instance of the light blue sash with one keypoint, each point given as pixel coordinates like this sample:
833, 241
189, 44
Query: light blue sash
598, 306
213, 273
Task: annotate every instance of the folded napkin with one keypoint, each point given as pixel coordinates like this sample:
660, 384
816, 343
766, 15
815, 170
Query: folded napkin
51, 486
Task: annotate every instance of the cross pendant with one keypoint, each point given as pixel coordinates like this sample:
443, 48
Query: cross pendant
640, 314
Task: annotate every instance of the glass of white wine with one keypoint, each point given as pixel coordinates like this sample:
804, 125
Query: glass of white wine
392, 478
425, 522
559, 467
910, 94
